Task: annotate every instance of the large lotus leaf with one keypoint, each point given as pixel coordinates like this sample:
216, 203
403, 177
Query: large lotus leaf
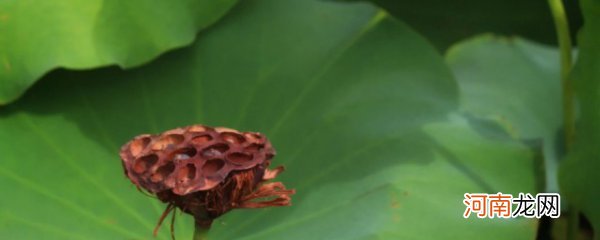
579, 177
37, 36
515, 83
355, 103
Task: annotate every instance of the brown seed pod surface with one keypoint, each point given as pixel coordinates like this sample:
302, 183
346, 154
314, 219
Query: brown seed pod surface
205, 171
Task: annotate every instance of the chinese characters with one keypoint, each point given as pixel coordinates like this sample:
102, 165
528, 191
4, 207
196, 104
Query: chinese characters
505, 206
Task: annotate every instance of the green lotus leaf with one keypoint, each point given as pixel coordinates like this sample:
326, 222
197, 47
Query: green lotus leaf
38, 36
514, 83
579, 173
360, 108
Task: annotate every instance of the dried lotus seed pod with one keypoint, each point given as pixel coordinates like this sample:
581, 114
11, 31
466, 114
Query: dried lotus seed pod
205, 171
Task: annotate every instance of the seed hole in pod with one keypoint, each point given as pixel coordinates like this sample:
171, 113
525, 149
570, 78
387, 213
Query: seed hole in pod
239, 158
255, 147
215, 150
163, 172
202, 139
233, 137
187, 173
144, 163
167, 141
212, 166
184, 153
138, 145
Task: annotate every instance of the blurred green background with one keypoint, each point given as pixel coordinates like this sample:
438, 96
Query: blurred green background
384, 113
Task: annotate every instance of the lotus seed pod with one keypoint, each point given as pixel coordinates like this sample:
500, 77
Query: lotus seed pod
205, 171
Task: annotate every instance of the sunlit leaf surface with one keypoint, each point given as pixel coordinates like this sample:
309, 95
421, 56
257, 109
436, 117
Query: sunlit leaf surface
38, 36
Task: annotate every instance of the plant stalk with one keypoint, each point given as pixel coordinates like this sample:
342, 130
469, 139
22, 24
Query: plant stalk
565, 46
201, 232
564, 43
